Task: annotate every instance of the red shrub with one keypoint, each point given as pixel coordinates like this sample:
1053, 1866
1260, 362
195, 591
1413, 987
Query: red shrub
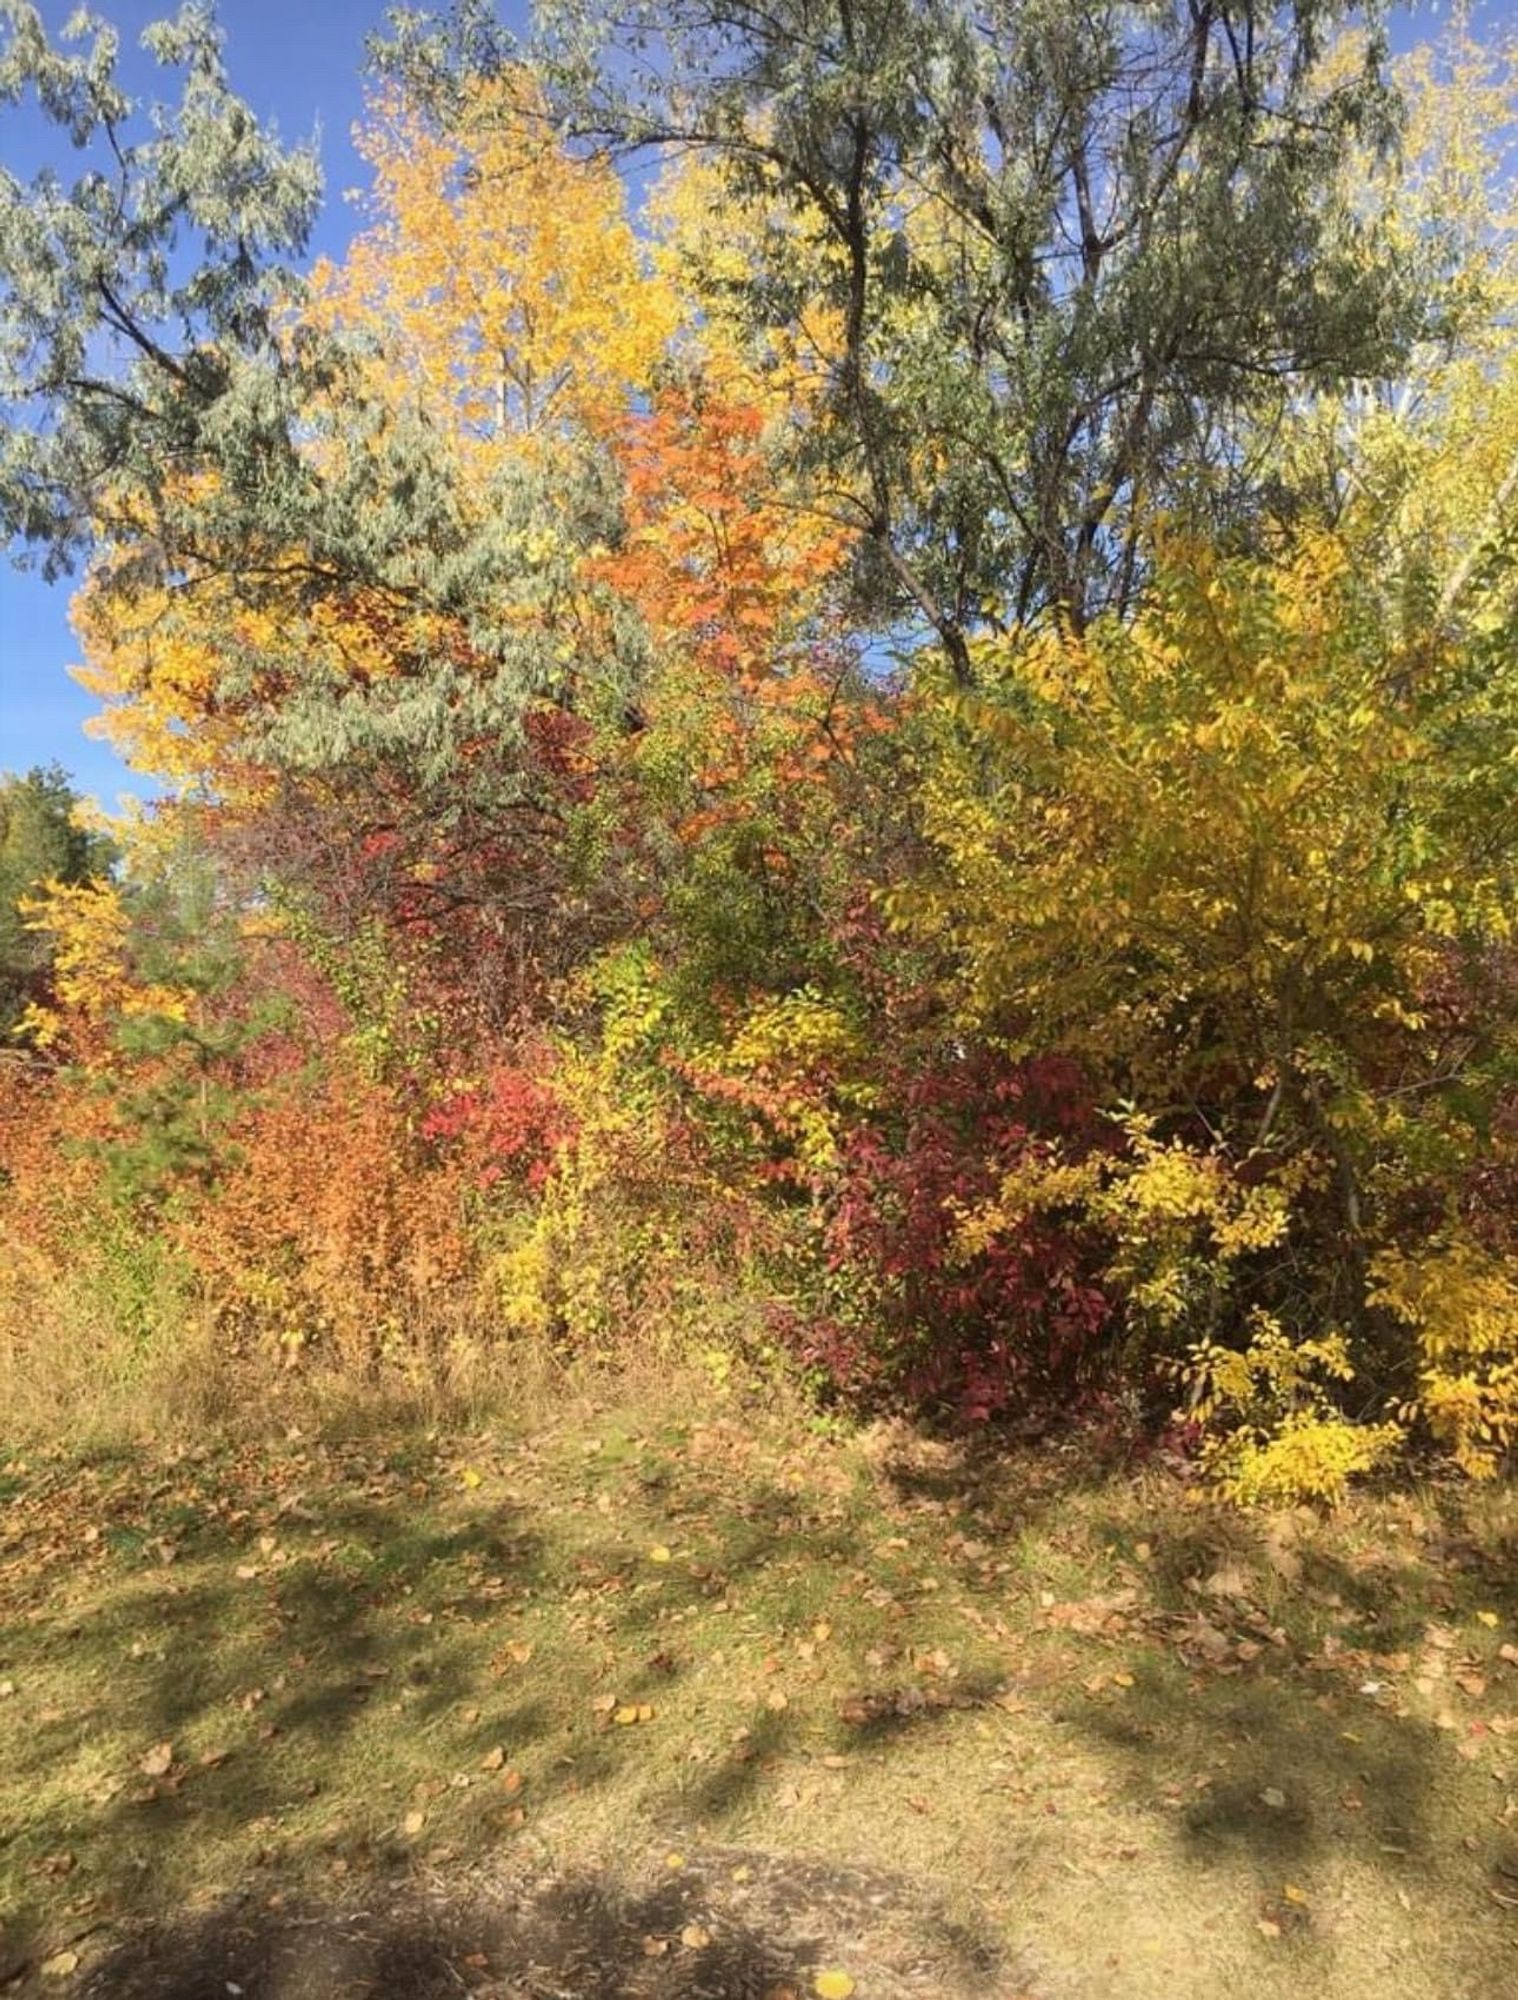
977, 1333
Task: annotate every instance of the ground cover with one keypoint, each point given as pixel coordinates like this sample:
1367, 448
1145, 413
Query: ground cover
615, 1702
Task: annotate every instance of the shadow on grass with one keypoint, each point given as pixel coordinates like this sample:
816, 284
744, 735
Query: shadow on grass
324, 1702
586, 1935
1311, 1754
207, 1708
392, 1669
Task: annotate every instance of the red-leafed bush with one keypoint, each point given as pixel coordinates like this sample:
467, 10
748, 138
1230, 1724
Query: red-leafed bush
977, 1332
511, 1125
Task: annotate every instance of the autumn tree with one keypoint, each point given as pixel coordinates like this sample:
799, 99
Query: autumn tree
40, 842
1072, 259
928, 720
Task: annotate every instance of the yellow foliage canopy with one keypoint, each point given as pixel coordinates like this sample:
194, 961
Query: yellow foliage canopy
502, 274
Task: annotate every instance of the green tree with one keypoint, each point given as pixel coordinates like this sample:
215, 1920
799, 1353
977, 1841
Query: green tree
1076, 259
126, 358
39, 842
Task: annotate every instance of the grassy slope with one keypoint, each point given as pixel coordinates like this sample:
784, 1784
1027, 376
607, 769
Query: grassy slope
1103, 1740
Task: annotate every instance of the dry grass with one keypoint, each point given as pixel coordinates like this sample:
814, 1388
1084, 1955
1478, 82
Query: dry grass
1085, 1736
108, 1358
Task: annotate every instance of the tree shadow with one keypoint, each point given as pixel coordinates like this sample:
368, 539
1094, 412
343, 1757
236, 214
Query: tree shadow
242, 1691
260, 1680
1285, 1752
591, 1935
344, 1705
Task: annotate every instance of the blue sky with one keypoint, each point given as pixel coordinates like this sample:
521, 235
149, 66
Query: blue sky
298, 62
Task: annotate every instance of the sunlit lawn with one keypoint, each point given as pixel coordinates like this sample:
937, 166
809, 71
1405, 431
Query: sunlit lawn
786, 1703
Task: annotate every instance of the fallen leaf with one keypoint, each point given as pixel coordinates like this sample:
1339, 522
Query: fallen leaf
1295, 1895
832, 1986
1212, 1645
1489, 1619
658, 1553
1228, 1581
777, 1699
1273, 1797
493, 1759
695, 1937
157, 1761
60, 1965
413, 1822
673, 1860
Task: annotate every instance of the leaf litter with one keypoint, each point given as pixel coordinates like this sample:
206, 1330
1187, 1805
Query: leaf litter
842, 1660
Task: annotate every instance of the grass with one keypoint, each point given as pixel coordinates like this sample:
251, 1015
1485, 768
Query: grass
1083, 1735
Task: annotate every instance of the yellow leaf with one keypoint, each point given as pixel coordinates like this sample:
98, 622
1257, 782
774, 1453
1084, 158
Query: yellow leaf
673, 1860
1295, 1895
471, 1478
695, 1937
60, 1965
832, 1986
1489, 1619
658, 1553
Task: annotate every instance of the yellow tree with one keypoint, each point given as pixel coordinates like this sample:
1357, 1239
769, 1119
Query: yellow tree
509, 291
